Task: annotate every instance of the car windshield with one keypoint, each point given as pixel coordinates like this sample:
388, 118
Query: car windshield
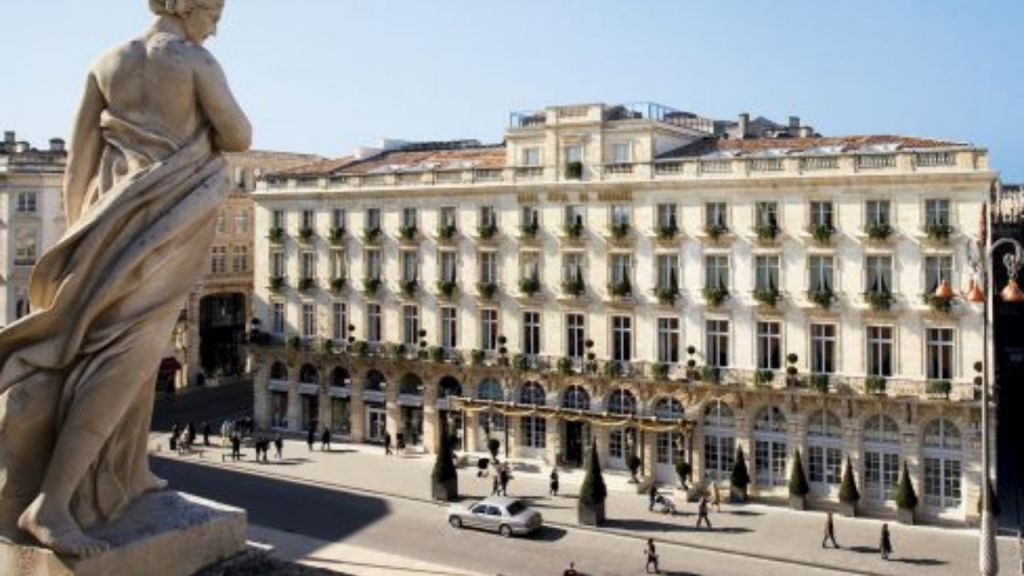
515, 508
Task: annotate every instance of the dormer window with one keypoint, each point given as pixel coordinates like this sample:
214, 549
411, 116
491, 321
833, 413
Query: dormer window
531, 156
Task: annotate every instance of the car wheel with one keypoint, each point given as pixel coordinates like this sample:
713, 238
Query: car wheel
505, 531
455, 521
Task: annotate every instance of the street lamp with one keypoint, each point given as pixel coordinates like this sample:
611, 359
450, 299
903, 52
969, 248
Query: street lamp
988, 559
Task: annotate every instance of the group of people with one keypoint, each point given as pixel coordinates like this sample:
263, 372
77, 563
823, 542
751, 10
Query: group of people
884, 540
712, 497
325, 438
183, 438
502, 475
262, 445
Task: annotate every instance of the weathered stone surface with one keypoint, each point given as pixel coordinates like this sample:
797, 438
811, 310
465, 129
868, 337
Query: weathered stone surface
164, 533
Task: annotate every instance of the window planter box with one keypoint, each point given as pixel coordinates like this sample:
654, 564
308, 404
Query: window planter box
336, 235
716, 296
276, 235
487, 290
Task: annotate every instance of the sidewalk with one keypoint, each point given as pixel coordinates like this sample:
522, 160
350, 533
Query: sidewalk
750, 530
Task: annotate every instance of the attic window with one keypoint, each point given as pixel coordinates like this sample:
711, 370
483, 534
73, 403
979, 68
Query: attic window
882, 147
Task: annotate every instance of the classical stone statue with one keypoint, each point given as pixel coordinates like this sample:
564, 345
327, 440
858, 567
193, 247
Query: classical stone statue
144, 181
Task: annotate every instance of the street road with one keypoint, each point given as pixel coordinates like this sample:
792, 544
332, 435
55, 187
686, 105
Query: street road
418, 530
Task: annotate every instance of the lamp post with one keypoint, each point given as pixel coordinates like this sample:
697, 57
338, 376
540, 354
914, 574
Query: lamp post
988, 558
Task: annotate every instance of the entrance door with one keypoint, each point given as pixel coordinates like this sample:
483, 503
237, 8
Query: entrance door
574, 444
376, 422
666, 452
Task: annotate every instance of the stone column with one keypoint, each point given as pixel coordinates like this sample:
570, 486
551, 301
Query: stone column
393, 412
358, 408
192, 365
472, 431
261, 395
326, 415
601, 436
647, 451
431, 421
552, 440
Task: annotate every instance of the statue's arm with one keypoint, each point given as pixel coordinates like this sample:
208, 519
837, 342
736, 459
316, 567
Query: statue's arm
86, 150
232, 132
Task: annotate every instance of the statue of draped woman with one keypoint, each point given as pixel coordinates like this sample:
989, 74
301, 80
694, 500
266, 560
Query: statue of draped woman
145, 178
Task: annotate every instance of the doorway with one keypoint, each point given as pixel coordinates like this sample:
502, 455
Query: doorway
376, 423
574, 444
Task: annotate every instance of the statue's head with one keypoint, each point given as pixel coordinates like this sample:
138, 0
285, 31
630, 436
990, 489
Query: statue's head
200, 17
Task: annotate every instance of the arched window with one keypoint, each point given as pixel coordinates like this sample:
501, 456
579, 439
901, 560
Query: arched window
668, 409
532, 394
576, 398
770, 447
340, 378
375, 380
943, 465
411, 385
309, 374
278, 371
719, 440
668, 444
490, 390
824, 451
881, 457
622, 402
449, 386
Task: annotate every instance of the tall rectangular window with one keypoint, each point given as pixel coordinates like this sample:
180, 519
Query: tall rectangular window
572, 266
716, 272
936, 211
409, 218
622, 338
937, 269
372, 219
667, 216
218, 260
879, 342
531, 333
876, 212
338, 218
222, 222
575, 339
529, 265
339, 314
278, 219
529, 216
489, 330
668, 340
410, 266
769, 345
766, 214
822, 273
822, 214
449, 266
373, 264
668, 271
488, 267
622, 153
449, 328
277, 318
574, 153
878, 274
448, 216
339, 267
716, 334
531, 156
374, 327
715, 214
410, 325
277, 268
240, 260
940, 353
825, 465
27, 202
308, 320
308, 219
823, 348
488, 216
242, 221
574, 214
619, 214
766, 273
308, 264
622, 268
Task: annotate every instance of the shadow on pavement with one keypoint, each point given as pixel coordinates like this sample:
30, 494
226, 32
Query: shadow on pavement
549, 534
919, 561
639, 524
743, 513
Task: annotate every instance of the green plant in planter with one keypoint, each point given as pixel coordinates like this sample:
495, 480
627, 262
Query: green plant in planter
823, 298
371, 285
278, 283
574, 287
593, 491
437, 354
476, 357
307, 284
766, 231
620, 289
659, 370
612, 369
879, 230
444, 477
683, 470
327, 346
848, 493
710, 374
822, 233
529, 285
768, 297
276, 235
564, 366
360, 348
336, 234
407, 232
487, 231
875, 384
939, 388
667, 294
667, 231
530, 229
493, 445
337, 285
820, 383
906, 497
797, 479
294, 343
938, 304
620, 230
716, 296
409, 287
574, 230
716, 230
371, 233
446, 287
397, 350
520, 363
939, 231
879, 299
763, 377
573, 170
487, 290
306, 233
446, 231
740, 478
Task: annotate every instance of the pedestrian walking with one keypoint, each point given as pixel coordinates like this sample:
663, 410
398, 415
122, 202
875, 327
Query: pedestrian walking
652, 557
206, 434
387, 443
175, 431
571, 570
553, 491
236, 446
325, 440
260, 448
885, 545
505, 476
652, 497
830, 531
310, 437
716, 497
278, 444
702, 512
496, 485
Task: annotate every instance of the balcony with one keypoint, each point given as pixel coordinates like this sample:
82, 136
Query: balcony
408, 288
573, 234
667, 234
307, 285
372, 234
336, 235
715, 234
619, 169
487, 233
529, 173
446, 289
446, 233
486, 291
276, 235
338, 285
878, 233
307, 234
621, 292
529, 233
619, 234
277, 284
529, 288
408, 235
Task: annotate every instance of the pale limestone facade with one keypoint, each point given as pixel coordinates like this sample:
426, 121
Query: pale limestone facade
31, 215
633, 160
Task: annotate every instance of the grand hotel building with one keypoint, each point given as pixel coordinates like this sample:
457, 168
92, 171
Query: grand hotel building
659, 283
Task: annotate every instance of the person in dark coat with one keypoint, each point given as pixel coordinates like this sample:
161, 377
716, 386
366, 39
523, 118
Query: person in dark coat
175, 431
278, 444
652, 496
325, 440
206, 434
652, 557
504, 476
702, 512
387, 443
554, 482
310, 437
885, 545
830, 531
236, 447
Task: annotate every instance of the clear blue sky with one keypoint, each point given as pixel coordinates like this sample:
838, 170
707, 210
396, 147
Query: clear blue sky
324, 76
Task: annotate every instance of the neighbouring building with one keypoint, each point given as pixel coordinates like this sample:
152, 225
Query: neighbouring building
664, 285
205, 348
31, 215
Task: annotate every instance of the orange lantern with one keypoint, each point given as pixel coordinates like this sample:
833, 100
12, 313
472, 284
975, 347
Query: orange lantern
974, 293
944, 291
1012, 292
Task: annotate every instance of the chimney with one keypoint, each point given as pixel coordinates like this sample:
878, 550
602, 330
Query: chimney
794, 124
9, 137
744, 124
56, 145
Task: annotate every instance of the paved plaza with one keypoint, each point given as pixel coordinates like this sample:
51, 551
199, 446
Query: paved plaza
788, 541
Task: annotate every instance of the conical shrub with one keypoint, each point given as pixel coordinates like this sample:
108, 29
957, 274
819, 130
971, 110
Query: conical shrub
593, 491
906, 497
797, 480
848, 492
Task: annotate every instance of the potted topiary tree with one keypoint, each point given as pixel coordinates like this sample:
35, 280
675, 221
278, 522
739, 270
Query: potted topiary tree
683, 471
634, 468
798, 487
848, 493
444, 478
493, 445
739, 479
590, 506
906, 498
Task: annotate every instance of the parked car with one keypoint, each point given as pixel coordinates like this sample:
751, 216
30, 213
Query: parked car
507, 516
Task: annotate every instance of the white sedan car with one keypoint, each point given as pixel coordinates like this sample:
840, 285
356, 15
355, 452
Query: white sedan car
507, 516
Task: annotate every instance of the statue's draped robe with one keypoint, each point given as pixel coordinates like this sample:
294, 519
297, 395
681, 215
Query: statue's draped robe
105, 300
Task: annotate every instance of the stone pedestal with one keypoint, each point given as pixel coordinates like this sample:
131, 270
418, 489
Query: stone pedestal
166, 533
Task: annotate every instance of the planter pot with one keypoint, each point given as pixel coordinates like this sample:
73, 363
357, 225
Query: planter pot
590, 515
906, 516
446, 491
848, 509
737, 494
797, 502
